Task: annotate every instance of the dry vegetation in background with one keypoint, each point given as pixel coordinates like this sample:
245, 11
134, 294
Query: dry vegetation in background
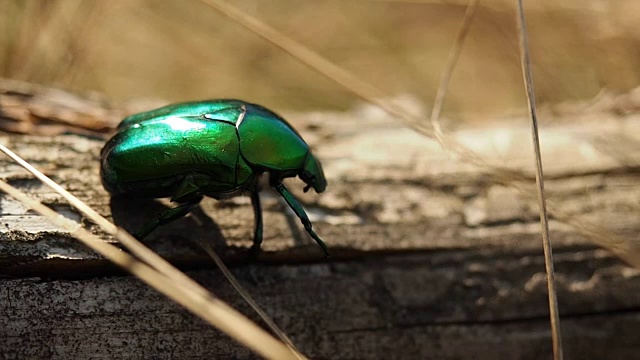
177, 51
180, 50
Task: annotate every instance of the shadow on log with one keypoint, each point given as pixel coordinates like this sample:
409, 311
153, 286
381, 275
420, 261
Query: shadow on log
429, 258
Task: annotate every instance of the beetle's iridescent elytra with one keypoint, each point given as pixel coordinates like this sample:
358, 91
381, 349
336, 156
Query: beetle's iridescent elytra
215, 148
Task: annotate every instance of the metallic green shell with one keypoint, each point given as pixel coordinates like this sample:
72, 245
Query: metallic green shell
267, 140
189, 109
170, 146
225, 142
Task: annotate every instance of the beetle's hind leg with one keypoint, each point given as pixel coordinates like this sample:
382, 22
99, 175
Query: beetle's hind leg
257, 214
167, 217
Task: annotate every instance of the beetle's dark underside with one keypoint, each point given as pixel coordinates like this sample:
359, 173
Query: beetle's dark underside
214, 148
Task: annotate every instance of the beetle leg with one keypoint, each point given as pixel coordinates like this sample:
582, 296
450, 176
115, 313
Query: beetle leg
187, 190
167, 217
299, 210
257, 213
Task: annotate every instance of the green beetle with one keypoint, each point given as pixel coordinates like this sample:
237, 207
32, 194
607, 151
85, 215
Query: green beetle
216, 148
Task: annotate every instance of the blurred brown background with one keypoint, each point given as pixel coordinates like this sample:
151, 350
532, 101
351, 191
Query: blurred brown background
179, 50
447, 258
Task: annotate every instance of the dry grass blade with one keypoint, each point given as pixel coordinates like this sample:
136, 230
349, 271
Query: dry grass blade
544, 220
157, 272
499, 173
149, 256
249, 299
354, 84
127, 240
434, 119
451, 64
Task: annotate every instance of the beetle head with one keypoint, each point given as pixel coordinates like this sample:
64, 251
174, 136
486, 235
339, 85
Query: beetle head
312, 174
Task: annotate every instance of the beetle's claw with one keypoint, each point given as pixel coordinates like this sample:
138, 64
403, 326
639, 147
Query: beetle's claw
306, 188
324, 248
254, 251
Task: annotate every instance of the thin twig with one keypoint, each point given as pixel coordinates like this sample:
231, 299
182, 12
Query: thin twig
248, 298
544, 221
357, 86
147, 254
168, 280
127, 240
498, 172
450, 66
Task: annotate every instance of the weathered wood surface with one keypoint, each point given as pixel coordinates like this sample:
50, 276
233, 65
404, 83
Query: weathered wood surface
430, 259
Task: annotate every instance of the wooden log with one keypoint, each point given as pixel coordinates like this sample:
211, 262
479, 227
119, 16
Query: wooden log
430, 258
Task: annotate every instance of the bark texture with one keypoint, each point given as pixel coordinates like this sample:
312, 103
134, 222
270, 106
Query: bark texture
431, 257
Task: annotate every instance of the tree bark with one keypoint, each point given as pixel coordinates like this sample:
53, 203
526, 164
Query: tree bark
429, 257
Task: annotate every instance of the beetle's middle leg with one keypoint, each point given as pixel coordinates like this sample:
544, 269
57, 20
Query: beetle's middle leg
257, 214
167, 217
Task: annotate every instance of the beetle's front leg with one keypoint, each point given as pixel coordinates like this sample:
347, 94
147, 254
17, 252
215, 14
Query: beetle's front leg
167, 217
257, 214
297, 208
